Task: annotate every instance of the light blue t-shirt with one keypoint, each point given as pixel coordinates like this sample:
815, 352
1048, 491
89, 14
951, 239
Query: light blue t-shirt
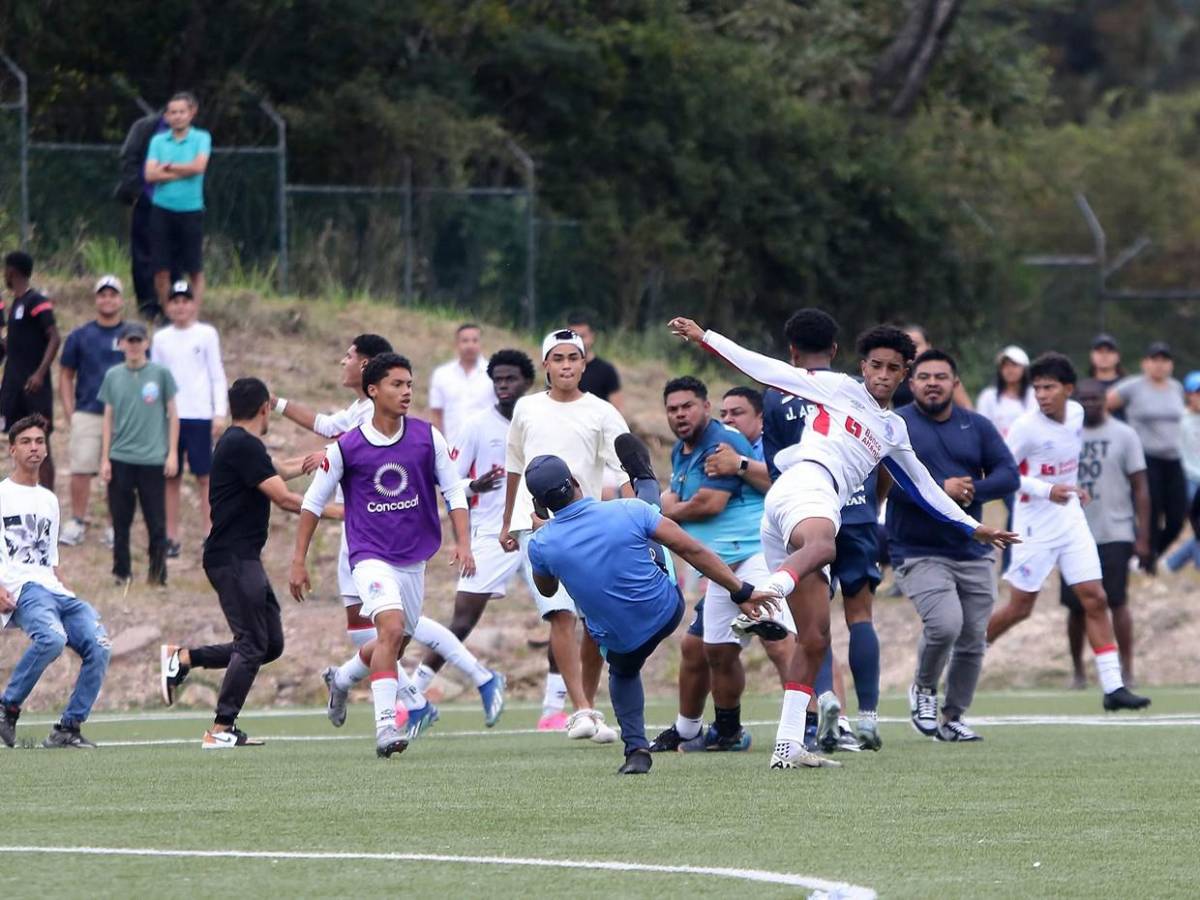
733, 533
601, 554
186, 194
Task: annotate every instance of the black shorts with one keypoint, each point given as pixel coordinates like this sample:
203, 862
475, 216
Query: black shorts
176, 240
857, 563
195, 445
1114, 575
696, 629
15, 404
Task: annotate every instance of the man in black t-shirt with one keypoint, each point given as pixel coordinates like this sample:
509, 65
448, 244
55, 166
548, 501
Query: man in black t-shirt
33, 341
600, 377
243, 485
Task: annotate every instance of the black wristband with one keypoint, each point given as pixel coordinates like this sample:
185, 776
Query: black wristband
742, 594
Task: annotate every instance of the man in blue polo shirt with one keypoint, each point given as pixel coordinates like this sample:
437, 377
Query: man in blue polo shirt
175, 165
601, 552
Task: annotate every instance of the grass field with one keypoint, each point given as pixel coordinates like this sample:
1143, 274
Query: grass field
1059, 800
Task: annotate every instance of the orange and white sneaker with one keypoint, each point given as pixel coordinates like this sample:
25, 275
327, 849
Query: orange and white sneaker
219, 740
555, 721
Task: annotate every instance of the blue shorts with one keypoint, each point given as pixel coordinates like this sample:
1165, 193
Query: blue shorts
195, 443
857, 563
697, 627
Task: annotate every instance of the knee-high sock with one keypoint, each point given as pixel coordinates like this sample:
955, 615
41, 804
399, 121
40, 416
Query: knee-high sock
406, 692
440, 639
629, 703
1108, 667
793, 715
556, 694
824, 679
383, 692
864, 665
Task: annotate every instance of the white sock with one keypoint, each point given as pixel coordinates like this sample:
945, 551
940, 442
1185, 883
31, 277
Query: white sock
1108, 666
351, 672
423, 677
361, 636
556, 694
688, 728
383, 691
406, 692
440, 639
792, 717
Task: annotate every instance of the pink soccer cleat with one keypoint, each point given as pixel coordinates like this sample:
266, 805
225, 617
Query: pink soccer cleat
556, 721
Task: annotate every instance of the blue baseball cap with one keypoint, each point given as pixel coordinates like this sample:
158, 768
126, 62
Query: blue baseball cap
549, 481
1191, 382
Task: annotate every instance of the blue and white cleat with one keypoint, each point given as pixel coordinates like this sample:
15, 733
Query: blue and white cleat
829, 709
491, 692
420, 721
709, 741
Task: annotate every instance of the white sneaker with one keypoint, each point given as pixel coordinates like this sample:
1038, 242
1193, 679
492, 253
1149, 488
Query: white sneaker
605, 734
72, 533
582, 724
792, 755
219, 740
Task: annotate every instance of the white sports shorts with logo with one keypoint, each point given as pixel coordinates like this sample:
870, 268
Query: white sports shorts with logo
494, 567
560, 602
1074, 552
720, 610
805, 491
383, 587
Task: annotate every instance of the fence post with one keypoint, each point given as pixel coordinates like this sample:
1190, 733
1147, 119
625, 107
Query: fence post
23, 153
280, 188
530, 233
408, 231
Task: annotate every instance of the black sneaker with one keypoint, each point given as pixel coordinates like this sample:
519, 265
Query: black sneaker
636, 763
953, 731
244, 740
635, 460
8, 726
171, 672
1123, 698
173, 549
667, 742
60, 737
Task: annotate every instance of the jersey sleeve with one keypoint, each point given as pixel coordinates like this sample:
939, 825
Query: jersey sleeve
451, 483
820, 387
325, 481
613, 426
912, 476
331, 425
43, 314
466, 447
154, 151
104, 395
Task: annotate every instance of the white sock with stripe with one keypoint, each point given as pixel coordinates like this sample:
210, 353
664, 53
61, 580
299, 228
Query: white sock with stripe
1108, 667
792, 717
555, 697
383, 692
440, 639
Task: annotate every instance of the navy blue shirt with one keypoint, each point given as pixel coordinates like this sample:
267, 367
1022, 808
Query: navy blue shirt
783, 423
91, 350
965, 444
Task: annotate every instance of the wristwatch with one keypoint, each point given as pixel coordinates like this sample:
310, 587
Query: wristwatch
743, 465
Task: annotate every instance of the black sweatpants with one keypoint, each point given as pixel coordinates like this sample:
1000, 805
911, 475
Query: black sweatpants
252, 612
1168, 501
141, 254
130, 485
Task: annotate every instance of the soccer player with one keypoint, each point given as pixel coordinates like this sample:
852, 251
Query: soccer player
1049, 517
387, 469
602, 553
852, 432
34, 598
581, 429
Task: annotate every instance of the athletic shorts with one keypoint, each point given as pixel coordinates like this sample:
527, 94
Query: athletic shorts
176, 240
696, 629
857, 563
560, 602
719, 608
15, 404
1114, 572
384, 587
494, 567
85, 442
805, 491
346, 586
1074, 553
195, 445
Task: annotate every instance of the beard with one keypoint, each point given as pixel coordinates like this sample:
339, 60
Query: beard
933, 410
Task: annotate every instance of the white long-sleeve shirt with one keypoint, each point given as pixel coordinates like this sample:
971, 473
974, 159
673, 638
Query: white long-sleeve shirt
1047, 453
331, 425
193, 355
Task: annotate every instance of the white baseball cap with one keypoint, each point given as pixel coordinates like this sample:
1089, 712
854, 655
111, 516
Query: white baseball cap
1015, 353
562, 336
108, 281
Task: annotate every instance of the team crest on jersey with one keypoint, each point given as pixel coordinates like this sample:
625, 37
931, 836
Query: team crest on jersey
888, 431
391, 479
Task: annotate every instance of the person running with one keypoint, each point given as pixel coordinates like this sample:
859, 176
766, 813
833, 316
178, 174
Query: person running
581, 429
852, 432
1011, 395
388, 469
1112, 472
36, 601
245, 482
602, 553
949, 577
1046, 443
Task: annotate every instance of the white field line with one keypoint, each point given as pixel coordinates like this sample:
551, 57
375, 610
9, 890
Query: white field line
838, 889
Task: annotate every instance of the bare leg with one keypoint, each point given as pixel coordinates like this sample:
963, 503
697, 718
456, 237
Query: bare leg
81, 489
1018, 608
205, 512
1095, 609
726, 674
1075, 642
1122, 620
197, 287
591, 664
162, 284
780, 654
693, 677
565, 646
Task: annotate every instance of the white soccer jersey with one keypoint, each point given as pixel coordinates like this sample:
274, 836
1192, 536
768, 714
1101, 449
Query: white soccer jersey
1047, 453
481, 445
851, 433
336, 424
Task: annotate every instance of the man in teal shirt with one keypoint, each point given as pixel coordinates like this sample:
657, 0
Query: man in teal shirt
175, 166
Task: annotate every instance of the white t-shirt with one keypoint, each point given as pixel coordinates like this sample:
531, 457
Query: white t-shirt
581, 433
1003, 410
482, 444
193, 355
460, 394
30, 517
1047, 453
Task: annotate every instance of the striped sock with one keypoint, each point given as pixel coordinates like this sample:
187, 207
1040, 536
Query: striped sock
1108, 667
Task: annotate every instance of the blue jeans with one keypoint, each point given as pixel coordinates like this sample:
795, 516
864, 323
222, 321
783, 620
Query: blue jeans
52, 622
1189, 551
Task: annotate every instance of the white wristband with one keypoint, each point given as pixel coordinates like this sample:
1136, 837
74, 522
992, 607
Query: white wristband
280, 405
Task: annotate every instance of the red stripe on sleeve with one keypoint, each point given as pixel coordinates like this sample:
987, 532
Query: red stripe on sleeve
41, 308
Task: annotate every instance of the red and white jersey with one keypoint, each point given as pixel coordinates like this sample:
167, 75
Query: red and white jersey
481, 444
1047, 453
849, 435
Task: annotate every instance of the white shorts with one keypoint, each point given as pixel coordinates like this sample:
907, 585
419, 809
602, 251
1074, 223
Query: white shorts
805, 491
1074, 553
494, 567
720, 610
383, 586
561, 601
345, 577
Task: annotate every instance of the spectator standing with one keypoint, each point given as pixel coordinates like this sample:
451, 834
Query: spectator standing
89, 352
33, 342
1011, 394
175, 164
600, 377
191, 350
135, 192
1104, 365
141, 433
460, 389
904, 393
1112, 469
1153, 404
1190, 457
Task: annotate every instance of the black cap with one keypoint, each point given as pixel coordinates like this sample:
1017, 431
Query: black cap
549, 481
134, 329
180, 289
1159, 348
1104, 340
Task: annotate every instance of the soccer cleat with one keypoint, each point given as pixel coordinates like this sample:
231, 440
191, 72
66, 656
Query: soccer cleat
766, 628
953, 731
244, 740
8, 725
790, 755
555, 721
219, 740
388, 740
171, 672
634, 456
829, 708
491, 692
72, 533
810, 732
420, 721
335, 708
868, 731
668, 741
582, 725
847, 741
922, 709
173, 549
605, 734
1123, 698
636, 763
710, 741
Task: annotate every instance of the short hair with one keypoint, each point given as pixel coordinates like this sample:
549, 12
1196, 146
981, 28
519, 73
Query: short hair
686, 383
1054, 366
21, 261
186, 96
811, 330
370, 345
582, 317
889, 337
935, 355
511, 358
246, 397
19, 427
752, 395
377, 368
466, 326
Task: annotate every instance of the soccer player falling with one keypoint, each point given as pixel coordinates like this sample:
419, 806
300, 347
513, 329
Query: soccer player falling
853, 431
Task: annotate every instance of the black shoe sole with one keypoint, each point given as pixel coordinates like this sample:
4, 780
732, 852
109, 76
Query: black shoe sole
1117, 707
394, 747
634, 457
768, 631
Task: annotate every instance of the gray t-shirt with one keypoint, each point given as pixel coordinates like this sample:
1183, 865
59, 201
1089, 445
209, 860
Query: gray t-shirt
1110, 454
1155, 413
